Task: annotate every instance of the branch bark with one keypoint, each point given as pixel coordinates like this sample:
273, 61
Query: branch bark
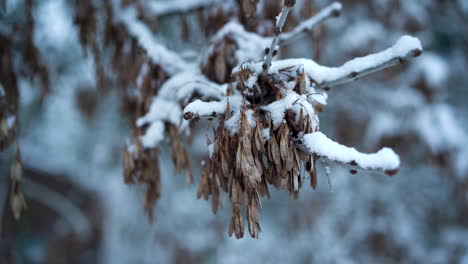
333, 10
270, 52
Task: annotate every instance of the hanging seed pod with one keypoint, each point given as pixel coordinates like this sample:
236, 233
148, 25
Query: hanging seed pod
129, 167
17, 201
313, 174
253, 214
203, 187
275, 152
3, 128
16, 172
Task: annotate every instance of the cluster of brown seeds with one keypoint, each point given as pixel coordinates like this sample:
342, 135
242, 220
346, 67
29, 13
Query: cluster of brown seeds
246, 162
141, 165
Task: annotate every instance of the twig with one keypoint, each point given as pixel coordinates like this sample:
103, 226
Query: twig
176, 7
371, 69
333, 10
319, 145
270, 52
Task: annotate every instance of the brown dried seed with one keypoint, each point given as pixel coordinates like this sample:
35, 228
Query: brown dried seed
275, 152
220, 68
3, 128
227, 112
313, 175
284, 143
18, 204
318, 107
16, 169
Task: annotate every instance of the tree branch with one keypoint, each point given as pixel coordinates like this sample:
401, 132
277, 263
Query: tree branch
170, 61
272, 51
333, 10
385, 160
176, 7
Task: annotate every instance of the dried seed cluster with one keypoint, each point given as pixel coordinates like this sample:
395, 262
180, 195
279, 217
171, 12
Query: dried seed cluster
244, 163
141, 165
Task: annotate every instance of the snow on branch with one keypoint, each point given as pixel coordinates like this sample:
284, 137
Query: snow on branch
272, 51
171, 7
318, 144
333, 10
170, 61
182, 86
405, 48
165, 107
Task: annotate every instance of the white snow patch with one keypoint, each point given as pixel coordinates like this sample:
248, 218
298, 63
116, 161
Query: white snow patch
318, 143
277, 108
154, 135
162, 110
322, 74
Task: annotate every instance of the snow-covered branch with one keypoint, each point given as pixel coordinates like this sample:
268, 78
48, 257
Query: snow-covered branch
165, 107
405, 48
272, 51
333, 10
167, 8
170, 61
385, 160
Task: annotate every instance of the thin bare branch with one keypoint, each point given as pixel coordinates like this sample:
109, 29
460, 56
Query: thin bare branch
270, 52
333, 10
177, 7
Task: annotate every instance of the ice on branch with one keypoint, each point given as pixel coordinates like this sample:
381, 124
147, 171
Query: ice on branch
384, 160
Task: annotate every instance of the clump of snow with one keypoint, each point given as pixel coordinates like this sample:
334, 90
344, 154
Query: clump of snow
154, 135
163, 110
318, 143
183, 85
277, 108
232, 124
202, 108
206, 108
250, 46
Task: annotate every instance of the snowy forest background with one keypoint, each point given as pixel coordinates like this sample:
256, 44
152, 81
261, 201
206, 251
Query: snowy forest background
75, 66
